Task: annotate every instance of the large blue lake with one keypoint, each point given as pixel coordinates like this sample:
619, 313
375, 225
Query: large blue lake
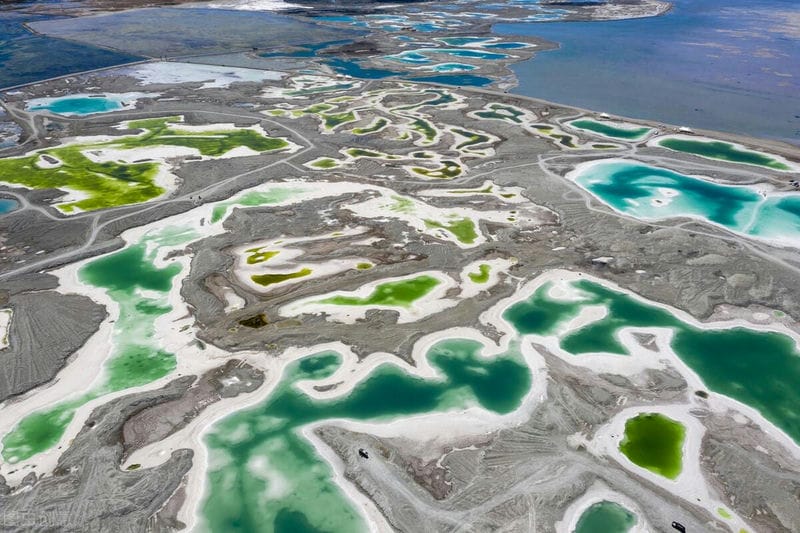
730, 65
26, 57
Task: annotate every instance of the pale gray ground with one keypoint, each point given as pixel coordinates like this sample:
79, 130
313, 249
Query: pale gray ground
46, 329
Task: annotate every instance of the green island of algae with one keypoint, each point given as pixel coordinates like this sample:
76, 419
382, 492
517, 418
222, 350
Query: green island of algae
401, 293
135, 358
448, 170
758, 368
655, 442
257, 255
607, 129
462, 229
605, 517
426, 129
482, 275
473, 139
503, 112
722, 151
377, 125
111, 183
265, 280
265, 476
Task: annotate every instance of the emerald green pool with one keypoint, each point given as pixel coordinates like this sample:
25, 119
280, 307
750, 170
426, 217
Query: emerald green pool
758, 368
722, 151
401, 293
605, 517
654, 441
135, 357
608, 129
264, 476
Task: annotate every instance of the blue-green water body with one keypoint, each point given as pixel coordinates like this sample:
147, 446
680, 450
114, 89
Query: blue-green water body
652, 193
422, 55
760, 369
135, 357
354, 69
264, 476
7, 205
80, 105
307, 49
605, 517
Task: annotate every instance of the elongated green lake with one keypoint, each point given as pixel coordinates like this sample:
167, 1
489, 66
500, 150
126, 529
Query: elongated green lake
758, 368
610, 129
135, 357
401, 293
141, 289
652, 193
264, 476
605, 517
722, 151
654, 441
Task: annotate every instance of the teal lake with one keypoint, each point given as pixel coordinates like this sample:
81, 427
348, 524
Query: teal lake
652, 193
264, 476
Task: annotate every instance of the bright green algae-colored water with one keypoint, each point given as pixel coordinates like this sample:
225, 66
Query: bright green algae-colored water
266, 280
722, 151
482, 275
605, 517
400, 293
113, 184
462, 229
654, 441
760, 369
607, 129
135, 358
632, 188
264, 476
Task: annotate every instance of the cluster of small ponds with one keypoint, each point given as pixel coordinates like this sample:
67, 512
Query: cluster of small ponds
263, 471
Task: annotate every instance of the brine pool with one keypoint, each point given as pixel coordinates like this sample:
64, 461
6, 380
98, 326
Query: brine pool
605, 517
86, 104
652, 193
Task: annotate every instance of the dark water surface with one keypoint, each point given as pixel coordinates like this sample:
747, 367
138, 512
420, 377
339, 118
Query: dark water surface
726, 65
26, 57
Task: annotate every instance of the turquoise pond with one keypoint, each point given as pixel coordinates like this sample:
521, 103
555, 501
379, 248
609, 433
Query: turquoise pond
354, 69
652, 193
6, 205
422, 55
82, 104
